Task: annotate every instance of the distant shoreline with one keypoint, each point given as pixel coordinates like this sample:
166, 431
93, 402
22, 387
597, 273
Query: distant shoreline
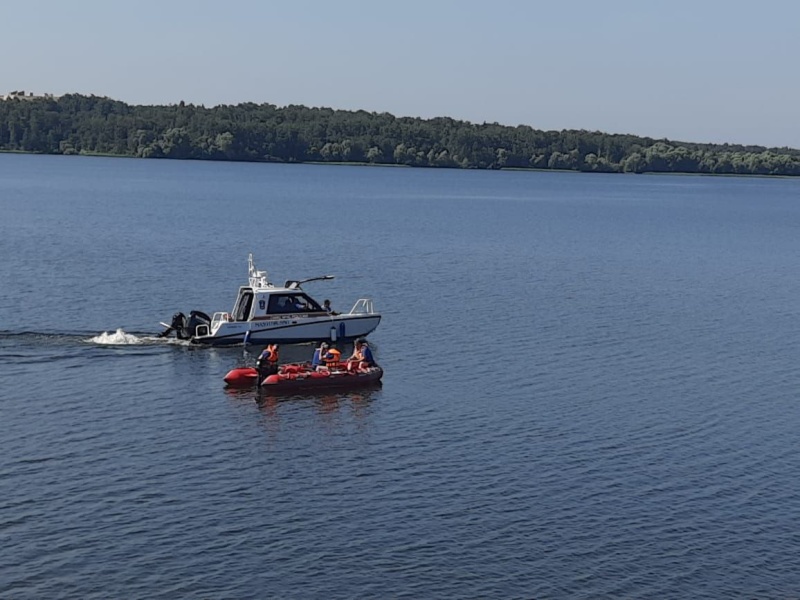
100, 126
394, 166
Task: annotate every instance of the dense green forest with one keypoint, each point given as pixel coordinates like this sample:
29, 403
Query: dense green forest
77, 124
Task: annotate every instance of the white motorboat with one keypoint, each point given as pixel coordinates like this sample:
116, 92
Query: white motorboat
265, 313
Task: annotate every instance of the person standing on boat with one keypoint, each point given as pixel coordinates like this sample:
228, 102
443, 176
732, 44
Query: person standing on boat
267, 362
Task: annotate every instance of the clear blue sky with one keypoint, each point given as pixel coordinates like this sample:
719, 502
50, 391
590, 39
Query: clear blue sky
702, 70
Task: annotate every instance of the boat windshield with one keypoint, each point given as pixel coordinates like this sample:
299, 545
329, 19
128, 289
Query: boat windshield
242, 310
292, 303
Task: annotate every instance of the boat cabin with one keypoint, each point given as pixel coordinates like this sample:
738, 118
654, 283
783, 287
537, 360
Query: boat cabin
264, 312
255, 305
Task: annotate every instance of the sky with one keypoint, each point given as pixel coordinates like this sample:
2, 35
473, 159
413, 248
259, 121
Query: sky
700, 71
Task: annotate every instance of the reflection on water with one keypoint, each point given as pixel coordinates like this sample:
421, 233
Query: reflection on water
322, 402
322, 399
325, 416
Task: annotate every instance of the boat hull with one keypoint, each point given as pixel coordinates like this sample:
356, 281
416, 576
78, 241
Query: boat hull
301, 382
242, 377
303, 378
292, 330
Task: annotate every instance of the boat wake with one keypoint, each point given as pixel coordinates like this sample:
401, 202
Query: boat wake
66, 338
118, 338
121, 338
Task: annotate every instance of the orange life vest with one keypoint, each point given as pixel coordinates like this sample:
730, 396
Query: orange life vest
270, 354
332, 357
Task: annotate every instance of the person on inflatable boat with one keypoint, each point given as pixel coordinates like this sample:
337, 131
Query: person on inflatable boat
325, 358
267, 362
362, 357
319, 354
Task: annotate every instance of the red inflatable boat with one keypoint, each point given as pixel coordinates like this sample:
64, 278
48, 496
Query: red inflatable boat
302, 377
242, 377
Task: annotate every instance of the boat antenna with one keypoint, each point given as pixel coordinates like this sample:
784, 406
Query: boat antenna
293, 285
258, 279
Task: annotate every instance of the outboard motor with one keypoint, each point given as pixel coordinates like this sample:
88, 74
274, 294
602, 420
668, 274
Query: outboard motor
178, 324
196, 318
186, 329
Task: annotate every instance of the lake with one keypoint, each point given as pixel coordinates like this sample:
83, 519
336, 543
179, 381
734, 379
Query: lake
590, 389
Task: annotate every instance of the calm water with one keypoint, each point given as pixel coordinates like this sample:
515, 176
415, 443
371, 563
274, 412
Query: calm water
591, 385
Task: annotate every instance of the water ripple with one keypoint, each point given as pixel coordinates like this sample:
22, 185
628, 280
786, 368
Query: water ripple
590, 389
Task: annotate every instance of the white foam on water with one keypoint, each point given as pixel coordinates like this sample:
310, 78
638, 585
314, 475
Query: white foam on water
118, 338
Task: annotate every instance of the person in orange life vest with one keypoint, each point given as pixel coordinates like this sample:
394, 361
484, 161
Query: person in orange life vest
331, 358
362, 356
267, 362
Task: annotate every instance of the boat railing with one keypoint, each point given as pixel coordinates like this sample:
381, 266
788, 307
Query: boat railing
258, 279
218, 319
363, 306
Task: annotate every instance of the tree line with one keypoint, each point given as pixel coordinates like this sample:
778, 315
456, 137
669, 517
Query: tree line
79, 124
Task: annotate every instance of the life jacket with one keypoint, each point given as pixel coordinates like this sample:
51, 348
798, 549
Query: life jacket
332, 357
361, 359
270, 354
